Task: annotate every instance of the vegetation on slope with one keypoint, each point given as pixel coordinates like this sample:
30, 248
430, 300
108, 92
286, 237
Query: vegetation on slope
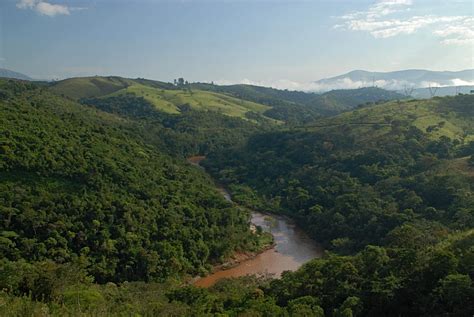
165, 97
242, 101
191, 132
353, 178
98, 192
173, 101
298, 106
82, 186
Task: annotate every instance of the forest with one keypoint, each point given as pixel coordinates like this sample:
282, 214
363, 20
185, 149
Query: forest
100, 214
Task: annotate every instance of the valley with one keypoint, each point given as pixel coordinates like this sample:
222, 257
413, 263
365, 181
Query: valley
289, 249
236, 158
102, 213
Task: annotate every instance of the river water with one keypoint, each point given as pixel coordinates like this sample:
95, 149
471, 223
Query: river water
292, 248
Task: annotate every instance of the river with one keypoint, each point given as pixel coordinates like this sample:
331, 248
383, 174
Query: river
292, 248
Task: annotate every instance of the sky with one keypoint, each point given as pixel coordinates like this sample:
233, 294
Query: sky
269, 42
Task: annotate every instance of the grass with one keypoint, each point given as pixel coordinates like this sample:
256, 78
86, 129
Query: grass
166, 100
371, 122
170, 100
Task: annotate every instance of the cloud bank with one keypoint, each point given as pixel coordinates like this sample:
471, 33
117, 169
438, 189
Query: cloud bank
388, 18
44, 8
347, 83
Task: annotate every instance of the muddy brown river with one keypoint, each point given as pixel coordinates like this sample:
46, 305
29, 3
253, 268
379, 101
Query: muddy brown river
292, 248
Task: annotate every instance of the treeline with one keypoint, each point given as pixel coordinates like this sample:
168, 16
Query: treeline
415, 274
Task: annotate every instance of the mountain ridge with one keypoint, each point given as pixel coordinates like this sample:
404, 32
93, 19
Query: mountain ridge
396, 80
6, 73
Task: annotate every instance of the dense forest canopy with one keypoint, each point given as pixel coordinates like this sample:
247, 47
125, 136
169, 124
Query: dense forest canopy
82, 185
352, 179
101, 215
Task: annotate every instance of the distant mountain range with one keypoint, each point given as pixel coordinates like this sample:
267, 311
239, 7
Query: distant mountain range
397, 80
6, 73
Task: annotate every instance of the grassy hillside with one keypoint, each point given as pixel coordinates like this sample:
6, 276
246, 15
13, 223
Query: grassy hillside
165, 97
171, 101
450, 117
306, 104
242, 101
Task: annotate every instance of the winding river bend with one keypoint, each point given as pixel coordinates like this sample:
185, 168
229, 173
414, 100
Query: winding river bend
292, 247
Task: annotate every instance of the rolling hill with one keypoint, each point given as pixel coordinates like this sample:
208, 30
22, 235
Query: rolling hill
341, 100
436, 117
242, 101
316, 105
163, 96
101, 215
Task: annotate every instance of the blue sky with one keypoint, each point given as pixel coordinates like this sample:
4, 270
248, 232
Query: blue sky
278, 43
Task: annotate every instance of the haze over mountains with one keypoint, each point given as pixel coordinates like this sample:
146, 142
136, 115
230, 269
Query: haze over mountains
414, 82
6, 73
397, 80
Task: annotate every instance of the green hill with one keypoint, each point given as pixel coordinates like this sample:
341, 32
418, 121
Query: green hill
448, 116
337, 101
100, 215
348, 176
243, 101
90, 188
165, 97
171, 101
87, 87
388, 189
305, 105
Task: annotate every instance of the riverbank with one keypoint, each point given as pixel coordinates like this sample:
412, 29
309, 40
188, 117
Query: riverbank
287, 249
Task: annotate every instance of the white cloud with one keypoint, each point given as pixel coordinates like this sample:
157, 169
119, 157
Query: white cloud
51, 9
460, 32
44, 8
346, 83
460, 82
380, 9
26, 4
343, 83
456, 30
